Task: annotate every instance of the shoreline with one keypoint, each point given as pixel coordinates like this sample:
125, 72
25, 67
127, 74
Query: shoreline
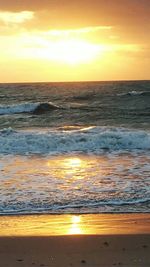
93, 240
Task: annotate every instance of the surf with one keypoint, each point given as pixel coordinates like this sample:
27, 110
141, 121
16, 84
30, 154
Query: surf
51, 141
27, 107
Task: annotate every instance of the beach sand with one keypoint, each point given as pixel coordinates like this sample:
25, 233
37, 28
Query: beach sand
73, 240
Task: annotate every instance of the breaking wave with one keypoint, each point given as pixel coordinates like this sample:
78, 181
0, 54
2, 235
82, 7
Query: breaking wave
135, 93
27, 107
73, 207
94, 140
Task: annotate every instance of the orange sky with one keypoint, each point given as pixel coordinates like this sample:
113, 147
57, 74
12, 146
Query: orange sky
64, 40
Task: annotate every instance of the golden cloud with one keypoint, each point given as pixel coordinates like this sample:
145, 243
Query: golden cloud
8, 17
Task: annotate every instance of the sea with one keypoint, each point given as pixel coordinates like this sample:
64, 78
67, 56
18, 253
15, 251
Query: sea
75, 147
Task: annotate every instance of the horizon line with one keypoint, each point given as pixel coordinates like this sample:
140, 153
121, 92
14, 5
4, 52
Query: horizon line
81, 81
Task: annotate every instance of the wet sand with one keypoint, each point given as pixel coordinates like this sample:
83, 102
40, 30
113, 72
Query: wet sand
76, 247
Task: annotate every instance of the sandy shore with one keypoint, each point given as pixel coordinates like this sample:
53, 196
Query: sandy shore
129, 247
83, 250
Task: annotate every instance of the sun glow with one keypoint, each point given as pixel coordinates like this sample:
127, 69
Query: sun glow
76, 51
69, 46
70, 51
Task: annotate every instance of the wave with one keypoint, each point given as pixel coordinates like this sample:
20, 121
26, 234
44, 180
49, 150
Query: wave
135, 93
94, 140
27, 107
105, 206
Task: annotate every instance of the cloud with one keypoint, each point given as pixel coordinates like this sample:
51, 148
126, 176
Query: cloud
47, 4
84, 30
131, 17
15, 17
103, 25
85, 12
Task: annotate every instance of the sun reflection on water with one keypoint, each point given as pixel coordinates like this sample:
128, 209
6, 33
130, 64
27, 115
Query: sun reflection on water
69, 167
73, 162
75, 226
70, 183
89, 224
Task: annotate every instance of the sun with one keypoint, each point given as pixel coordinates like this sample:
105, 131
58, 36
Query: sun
75, 51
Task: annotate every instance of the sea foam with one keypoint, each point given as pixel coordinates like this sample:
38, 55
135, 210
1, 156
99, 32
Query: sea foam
94, 140
135, 93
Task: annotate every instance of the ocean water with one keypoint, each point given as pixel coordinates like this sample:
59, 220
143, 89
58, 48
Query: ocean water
75, 147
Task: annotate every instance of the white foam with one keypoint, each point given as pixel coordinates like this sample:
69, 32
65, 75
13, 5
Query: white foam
18, 108
22, 108
132, 93
55, 141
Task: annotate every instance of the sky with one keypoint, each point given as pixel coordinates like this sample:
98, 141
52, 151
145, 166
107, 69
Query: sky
64, 40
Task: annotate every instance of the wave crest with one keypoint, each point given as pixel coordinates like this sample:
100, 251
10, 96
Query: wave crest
135, 93
27, 107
